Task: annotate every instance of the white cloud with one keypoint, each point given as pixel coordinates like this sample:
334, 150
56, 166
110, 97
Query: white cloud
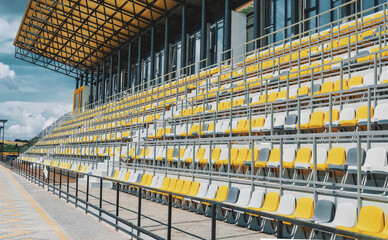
6, 72
26, 119
8, 30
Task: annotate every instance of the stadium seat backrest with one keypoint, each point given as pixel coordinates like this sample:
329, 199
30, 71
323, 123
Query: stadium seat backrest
381, 112
264, 155
317, 119
242, 154
172, 184
186, 187
244, 197
289, 155
222, 193
346, 215
347, 114
355, 80
324, 211
286, 205
376, 157
179, 185
271, 202
352, 157
255, 154
198, 189
371, 219
275, 155
321, 155
362, 112
337, 85
304, 208
233, 195
211, 191
166, 182
336, 156
149, 180
303, 155
334, 116
327, 87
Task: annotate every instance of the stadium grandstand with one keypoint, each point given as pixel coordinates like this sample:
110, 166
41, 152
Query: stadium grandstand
259, 118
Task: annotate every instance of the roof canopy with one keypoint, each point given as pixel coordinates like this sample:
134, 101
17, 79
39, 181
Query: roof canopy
71, 35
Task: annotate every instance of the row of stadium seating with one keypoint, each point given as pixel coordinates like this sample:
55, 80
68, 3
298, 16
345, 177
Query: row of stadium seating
370, 219
135, 102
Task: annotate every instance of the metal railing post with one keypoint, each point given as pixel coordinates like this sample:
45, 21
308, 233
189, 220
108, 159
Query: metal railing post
87, 193
100, 204
213, 236
169, 216
67, 187
117, 203
139, 208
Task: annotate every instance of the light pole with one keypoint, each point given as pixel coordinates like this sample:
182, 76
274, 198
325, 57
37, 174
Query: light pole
2, 143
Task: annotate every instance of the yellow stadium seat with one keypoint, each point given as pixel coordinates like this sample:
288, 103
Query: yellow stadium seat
370, 221
302, 156
327, 87
241, 157
317, 120
337, 85
355, 80
337, 156
221, 196
271, 203
304, 209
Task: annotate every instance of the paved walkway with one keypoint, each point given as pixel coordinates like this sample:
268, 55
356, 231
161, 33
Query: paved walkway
29, 212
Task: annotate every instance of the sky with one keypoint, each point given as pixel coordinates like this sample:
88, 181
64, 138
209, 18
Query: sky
31, 97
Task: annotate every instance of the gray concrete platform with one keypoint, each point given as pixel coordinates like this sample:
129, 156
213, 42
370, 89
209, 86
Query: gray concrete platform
73, 223
29, 212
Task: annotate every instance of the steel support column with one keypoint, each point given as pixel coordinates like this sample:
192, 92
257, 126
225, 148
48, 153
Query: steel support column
259, 20
183, 37
138, 78
103, 81
129, 83
82, 80
97, 97
111, 76
86, 78
152, 55
227, 30
91, 86
118, 78
166, 50
203, 33
76, 83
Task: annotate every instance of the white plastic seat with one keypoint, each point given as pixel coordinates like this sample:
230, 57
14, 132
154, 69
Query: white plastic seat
347, 114
267, 125
134, 177
381, 114
346, 215
154, 181
288, 156
188, 153
206, 190
383, 77
244, 198
379, 158
279, 122
224, 153
321, 158
223, 127
286, 205
369, 79
374, 158
257, 199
